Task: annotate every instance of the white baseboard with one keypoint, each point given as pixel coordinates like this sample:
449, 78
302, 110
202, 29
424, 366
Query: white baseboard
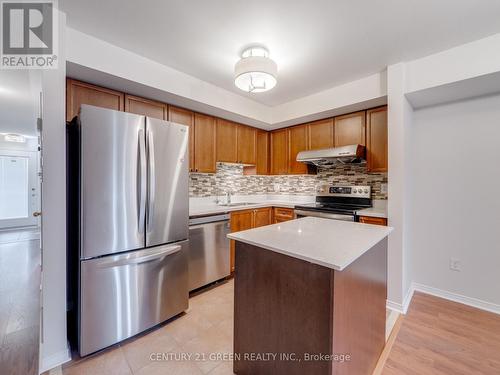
401, 308
469, 301
54, 360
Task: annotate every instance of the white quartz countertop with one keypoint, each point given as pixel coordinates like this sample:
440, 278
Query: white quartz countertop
207, 206
200, 207
379, 209
331, 243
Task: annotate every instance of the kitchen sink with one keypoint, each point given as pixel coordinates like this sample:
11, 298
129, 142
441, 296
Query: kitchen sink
236, 204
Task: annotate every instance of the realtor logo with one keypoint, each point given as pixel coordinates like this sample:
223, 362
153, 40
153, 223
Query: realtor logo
28, 35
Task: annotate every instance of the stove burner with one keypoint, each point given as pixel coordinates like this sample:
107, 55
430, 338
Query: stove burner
344, 200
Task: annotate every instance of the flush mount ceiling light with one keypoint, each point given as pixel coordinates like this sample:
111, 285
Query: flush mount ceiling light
14, 138
255, 72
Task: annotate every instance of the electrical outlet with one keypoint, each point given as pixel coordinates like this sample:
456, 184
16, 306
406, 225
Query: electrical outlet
383, 188
455, 264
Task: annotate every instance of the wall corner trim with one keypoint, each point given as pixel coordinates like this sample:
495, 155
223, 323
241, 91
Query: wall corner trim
402, 308
54, 360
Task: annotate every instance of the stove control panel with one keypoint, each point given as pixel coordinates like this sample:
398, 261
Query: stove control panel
344, 191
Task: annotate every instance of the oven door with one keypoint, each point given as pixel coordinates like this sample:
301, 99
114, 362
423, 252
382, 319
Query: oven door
324, 215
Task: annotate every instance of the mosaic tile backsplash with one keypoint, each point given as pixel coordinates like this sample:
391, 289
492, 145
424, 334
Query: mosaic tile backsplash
230, 177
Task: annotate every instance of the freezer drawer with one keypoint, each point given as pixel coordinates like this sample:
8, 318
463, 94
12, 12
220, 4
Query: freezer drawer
208, 250
123, 295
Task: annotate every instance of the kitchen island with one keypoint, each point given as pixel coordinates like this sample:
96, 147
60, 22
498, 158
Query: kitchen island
310, 297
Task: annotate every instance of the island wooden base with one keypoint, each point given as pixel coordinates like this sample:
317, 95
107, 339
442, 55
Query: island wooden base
287, 309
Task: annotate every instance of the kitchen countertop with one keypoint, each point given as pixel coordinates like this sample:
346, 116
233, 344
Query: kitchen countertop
215, 208
330, 243
207, 206
379, 209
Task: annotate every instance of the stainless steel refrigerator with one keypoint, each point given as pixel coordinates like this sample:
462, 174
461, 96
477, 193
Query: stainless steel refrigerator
128, 223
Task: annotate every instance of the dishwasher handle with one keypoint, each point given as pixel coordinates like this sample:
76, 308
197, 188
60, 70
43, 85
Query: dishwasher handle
208, 219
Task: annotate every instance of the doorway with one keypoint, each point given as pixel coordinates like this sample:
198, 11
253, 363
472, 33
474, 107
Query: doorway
20, 220
19, 193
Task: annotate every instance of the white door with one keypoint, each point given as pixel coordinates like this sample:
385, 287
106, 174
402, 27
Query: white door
19, 189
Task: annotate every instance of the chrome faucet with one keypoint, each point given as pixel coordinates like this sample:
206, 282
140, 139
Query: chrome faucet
217, 193
228, 196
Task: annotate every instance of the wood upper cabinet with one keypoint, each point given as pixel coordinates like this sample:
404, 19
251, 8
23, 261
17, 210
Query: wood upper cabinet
145, 107
204, 143
227, 136
279, 151
247, 143
297, 141
184, 117
78, 93
262, 217
376, 139
350, 129
262, 162
235, 143
320, 134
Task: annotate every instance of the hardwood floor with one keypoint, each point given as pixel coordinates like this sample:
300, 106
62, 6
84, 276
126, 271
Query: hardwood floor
19, 303
441, 337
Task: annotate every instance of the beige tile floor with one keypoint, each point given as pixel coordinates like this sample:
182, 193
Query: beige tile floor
204, 332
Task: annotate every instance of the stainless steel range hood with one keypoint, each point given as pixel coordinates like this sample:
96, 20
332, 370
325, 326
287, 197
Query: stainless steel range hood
331, 156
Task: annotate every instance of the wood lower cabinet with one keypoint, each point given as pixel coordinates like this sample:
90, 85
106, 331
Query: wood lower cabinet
204, 144
227, 141
297, 142
281, 214
78, 93
146, 107
376, 139
248, 219
320, 134
279, 151
373, 220
247, 143
240, 220
350, 129
262, 217
184, 117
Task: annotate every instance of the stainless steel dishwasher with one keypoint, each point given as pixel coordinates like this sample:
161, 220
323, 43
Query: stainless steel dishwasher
208, 249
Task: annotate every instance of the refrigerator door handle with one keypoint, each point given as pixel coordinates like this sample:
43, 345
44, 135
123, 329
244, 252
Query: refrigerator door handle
152, 180
125, 261
141, 181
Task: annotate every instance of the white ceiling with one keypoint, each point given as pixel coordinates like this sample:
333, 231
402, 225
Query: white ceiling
317, 44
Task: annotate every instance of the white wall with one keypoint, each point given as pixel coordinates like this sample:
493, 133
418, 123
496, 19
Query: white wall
370, 91
53, 348
399, 136
96, 54
460, 63
96, 61
454, 203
